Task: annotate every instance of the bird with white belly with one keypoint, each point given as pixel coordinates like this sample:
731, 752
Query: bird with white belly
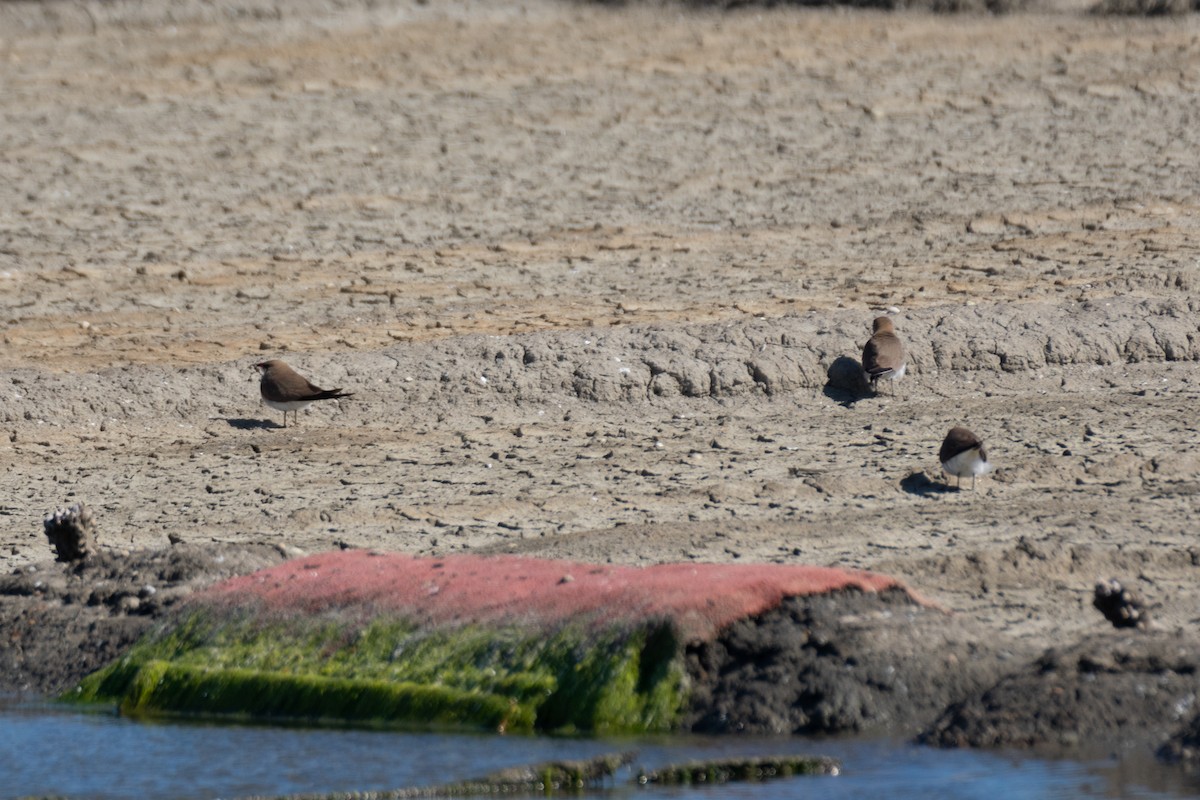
284, 389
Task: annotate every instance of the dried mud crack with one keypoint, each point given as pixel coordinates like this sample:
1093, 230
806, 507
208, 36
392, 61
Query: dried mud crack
586, 270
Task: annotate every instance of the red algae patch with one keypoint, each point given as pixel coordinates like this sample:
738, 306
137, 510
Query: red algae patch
700, 599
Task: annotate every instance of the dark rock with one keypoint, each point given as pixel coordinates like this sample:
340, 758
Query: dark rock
71, 533
1120, 606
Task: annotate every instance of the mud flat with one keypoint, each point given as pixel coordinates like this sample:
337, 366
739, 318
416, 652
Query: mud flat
585, 269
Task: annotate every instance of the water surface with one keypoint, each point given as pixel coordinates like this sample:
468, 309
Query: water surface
48, 749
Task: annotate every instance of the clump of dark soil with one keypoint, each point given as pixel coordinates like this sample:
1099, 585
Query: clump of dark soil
838, 663
1184, 745
1111, 687
60, 621
936, 6
1145, 8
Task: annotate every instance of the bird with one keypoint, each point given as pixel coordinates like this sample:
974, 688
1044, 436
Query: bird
284, 389
883, 355
962, 454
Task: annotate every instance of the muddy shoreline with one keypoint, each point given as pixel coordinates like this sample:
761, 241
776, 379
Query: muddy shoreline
846, 663
586, 269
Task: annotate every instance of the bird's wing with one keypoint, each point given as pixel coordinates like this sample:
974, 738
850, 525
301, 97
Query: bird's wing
329, 394
870, 358
882, 353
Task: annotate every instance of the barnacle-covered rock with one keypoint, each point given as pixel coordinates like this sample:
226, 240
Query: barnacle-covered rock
71, 533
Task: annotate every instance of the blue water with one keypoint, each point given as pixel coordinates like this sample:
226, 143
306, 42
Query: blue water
47, 749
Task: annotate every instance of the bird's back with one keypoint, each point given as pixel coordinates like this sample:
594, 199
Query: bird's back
883, 353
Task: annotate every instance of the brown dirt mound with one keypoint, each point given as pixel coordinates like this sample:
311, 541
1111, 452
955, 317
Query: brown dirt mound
700, 598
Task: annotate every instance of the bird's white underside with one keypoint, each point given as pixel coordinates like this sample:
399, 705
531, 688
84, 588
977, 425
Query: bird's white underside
287, 405
966, 464
893, 375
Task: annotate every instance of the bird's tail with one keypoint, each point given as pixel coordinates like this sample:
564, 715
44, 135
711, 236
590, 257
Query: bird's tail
331, 394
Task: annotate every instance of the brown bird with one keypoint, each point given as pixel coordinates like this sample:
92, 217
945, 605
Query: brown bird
883, 354
962, 454
284, 389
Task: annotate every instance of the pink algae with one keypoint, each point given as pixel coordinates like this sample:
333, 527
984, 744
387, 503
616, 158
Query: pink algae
700, 598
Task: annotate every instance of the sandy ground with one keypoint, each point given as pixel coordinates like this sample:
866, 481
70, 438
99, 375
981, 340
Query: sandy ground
585, 269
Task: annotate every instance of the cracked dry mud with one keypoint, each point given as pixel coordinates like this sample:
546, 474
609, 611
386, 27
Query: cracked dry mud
585, 269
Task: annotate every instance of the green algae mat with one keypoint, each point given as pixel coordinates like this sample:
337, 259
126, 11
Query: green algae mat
388, 672
504, 643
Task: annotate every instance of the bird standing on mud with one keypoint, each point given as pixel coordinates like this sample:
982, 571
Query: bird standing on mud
883, 355
962, 454
284, 389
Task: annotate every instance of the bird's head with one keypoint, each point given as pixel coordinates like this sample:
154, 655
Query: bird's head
263, 366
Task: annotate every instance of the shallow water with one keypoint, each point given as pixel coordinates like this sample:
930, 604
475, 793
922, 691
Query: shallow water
47, 749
